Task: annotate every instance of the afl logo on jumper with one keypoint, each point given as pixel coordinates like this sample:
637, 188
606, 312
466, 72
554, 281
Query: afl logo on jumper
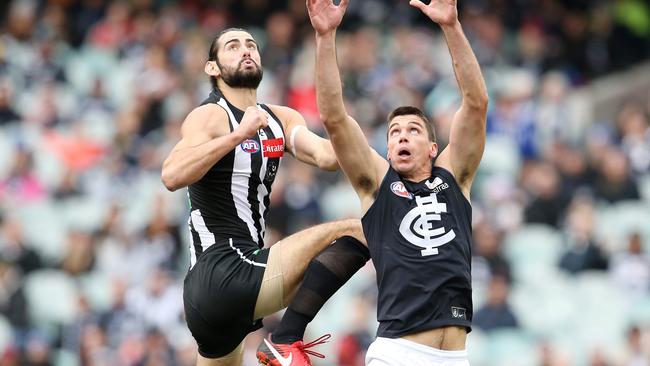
250, 146
417, 225
399, 189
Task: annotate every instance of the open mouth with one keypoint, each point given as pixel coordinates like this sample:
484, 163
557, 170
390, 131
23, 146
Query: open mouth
404, 153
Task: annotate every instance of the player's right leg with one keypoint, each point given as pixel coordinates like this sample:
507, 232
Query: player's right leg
290, 257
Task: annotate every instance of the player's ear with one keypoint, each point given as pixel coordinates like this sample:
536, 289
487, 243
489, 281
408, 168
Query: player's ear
211, 68
433, 150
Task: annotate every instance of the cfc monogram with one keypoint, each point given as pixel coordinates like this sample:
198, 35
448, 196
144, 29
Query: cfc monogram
417, 225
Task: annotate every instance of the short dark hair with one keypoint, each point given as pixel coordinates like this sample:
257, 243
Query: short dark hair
213, 51
410, 110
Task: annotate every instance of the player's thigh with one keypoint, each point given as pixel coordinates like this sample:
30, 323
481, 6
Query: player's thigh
270, 298
293, 253
234, 358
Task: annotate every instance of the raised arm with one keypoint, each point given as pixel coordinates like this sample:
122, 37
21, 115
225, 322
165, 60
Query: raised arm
363, 166
467, 137
205, 139
303, 144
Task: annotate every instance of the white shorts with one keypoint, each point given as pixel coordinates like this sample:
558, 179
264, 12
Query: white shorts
400, 352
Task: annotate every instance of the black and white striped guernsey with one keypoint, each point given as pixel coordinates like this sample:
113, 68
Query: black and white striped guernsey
232, 199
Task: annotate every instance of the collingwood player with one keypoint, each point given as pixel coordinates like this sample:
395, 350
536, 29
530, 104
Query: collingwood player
417, 213
228, 158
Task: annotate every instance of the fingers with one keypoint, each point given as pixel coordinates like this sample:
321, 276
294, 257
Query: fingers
264, 113
418, 4
344, 4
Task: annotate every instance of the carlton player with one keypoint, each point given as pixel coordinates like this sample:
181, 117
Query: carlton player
417, 212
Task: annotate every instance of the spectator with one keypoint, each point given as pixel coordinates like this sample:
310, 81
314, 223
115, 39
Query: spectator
21, 184
354, 344
7, 113
488, 259
548, 198
631, 269
14, 249
80, 255
496, 313
583, 252
614, 182
636, 352
634, 131
38, 351
576, 172
13, 303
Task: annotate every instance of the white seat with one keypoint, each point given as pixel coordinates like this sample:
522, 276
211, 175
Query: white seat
340, 201
534, 252
544, 308
52, 297
6, 153
44, 228
511, 348
98, 290
477, 347
6, 335
501, 157
644, 187
614, 223
82, 212
639, 312
601, 309
65, 358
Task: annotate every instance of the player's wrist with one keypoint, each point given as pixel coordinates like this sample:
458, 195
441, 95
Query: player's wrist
451, 26
239, 135
326, 34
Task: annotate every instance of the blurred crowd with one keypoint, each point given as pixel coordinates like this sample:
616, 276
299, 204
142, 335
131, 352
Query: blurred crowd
92, 96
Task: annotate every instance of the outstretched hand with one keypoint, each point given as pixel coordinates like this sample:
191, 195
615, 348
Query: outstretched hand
324, 15
443, 12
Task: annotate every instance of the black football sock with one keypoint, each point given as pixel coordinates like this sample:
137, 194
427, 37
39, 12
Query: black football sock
325, 274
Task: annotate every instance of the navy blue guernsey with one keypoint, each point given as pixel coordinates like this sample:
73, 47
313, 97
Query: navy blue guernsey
232, 199
420, 240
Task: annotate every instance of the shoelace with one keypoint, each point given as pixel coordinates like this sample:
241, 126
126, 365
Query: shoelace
316, 342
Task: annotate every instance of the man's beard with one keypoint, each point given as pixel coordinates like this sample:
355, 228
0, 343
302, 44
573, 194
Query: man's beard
241, 79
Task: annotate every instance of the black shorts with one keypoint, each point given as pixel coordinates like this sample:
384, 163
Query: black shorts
219, 295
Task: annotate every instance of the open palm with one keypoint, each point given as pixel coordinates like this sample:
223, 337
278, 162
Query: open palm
443, 12
324, 15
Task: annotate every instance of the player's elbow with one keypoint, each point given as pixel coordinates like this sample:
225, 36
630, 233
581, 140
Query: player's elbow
328, 163
170, 180
332, 119
477, 102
